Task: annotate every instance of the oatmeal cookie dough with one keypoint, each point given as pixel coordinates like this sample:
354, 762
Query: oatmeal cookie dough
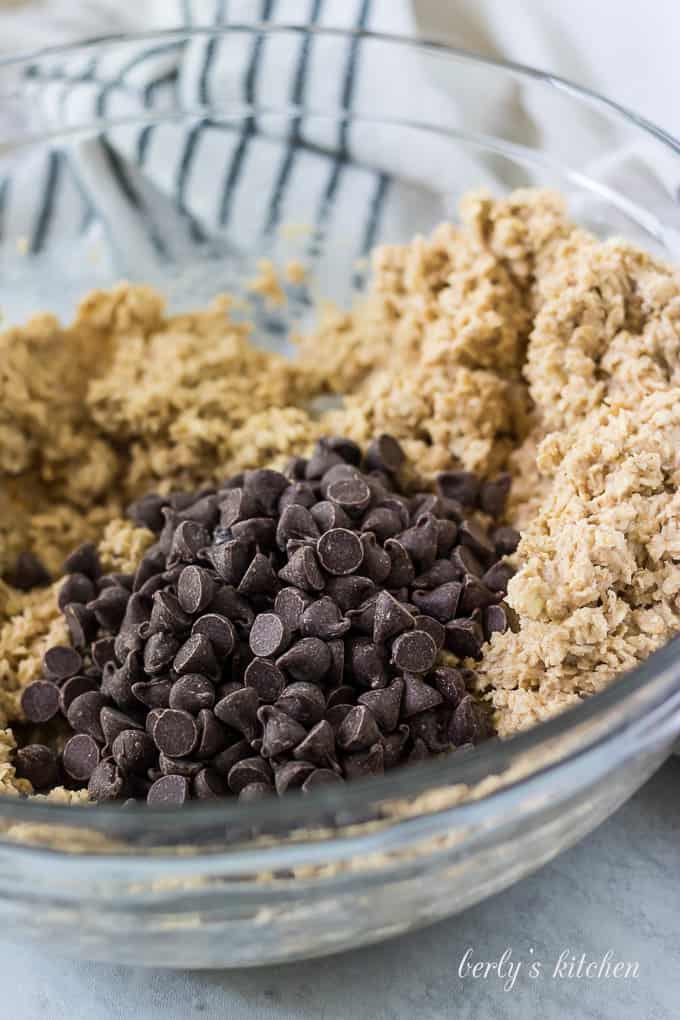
515, 340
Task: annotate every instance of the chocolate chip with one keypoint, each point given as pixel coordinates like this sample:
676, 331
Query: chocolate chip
259, 578
391, 618
40, 701
385, 704
266, 679
441, 603
186, 767
290, 604
255, 791
292, 775
175, 733
109, 606
366, 661
239, 710
224, 760
208, 784
195, 589
345, 448
414, 651
320, 777
167, 614
230, 559
83, 560
134, 751
113, 722
191, 693
302, 571
447, 535
37, 763
450, 683
340, 551
266, 485
247, 771
196, 655
466, 562
385, 454
351, 591
234, 607
494, 495
336, 649
432, 627
296, 522
107, 782
364, 763
420, 541
475, 595
383, 522
237, 505
72, 688
322, 459
28, 572
280, 732
495, 621
497, 576
464, 638
268, 635
441, 572
61, 662
463, 486
469, 723
337, 473
342, 695
474, 537
393, 746
418, 696
83, 714
155, 694
76, 588
147, 511
505, 540
102, 651
329, 515
80, 757
187, 541
303, 702
363, 618
352, 495
168, 791
219, 631
257, 531
323, 619
318, 746
335, 715
308, 659
298, 494
402, 572
377, 563
358, 730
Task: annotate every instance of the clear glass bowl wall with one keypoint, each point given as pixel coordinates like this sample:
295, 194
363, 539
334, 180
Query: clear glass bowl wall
114, 168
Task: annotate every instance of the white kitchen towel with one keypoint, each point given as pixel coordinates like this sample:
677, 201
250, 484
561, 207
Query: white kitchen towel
159, 187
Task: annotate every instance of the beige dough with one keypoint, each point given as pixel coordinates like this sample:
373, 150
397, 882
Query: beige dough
515, 340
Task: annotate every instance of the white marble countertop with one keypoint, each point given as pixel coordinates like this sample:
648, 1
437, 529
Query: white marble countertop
618, 890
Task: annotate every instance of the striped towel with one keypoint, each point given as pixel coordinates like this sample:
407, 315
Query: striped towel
154, 194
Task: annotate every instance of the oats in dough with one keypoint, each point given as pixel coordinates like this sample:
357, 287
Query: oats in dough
514, 340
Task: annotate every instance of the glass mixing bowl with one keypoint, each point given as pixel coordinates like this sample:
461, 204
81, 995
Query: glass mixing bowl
144, 158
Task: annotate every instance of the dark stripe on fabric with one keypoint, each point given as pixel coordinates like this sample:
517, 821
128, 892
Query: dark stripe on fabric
350, 75
188, 153
297, 96
126, 187
249, 125
146, 132
372, 227
49, 192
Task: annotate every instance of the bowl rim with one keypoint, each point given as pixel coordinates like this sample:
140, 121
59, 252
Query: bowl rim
655, 681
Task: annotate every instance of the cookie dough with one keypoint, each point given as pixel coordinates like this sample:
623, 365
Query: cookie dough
515, 341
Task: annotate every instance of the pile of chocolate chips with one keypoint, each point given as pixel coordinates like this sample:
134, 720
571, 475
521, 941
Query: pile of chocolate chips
283, 632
